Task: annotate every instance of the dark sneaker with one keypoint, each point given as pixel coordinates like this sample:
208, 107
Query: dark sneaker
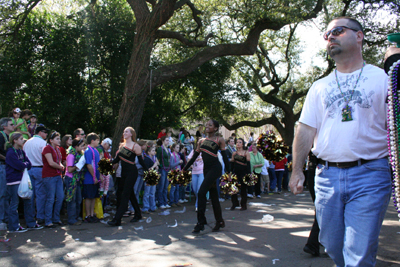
41, 221
88, 219
95, 219
20, 229
36, 227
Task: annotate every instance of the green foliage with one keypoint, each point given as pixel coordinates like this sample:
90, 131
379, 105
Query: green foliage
70, 71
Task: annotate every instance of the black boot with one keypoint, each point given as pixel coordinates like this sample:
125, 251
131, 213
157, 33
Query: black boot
136, 219
198, 228
218, 225
114, 223
235, 202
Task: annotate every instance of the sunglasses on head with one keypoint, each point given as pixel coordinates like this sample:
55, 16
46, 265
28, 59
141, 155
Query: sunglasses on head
337, 31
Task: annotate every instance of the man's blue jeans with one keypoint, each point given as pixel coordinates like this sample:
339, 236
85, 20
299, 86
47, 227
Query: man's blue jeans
38, 191
54, 198
350, 205
149, 201
4, 204
74, 206
197, 180
13, 221
162, 189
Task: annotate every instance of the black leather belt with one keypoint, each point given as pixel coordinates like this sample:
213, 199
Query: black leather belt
343, 164
37, 166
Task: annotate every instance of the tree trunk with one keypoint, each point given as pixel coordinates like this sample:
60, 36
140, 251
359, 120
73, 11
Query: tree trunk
137, 87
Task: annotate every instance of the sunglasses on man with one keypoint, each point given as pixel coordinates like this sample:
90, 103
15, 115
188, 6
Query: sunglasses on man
337, 31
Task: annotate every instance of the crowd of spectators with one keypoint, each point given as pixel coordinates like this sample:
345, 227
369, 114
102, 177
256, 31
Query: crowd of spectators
64, 169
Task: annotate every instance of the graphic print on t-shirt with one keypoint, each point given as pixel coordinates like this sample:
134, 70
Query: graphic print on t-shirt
335, 101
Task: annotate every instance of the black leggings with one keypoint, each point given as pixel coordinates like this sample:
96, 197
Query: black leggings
211, 174
243, 191
128, 179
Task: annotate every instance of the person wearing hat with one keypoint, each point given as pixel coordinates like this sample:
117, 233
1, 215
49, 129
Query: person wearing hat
19, 119
32, 125
33, 149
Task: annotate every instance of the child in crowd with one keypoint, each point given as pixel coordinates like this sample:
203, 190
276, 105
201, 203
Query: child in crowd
175, 164
264, 177
32, 125
182, 189
66, 142
16, 163
19, 122
151, 161
197, 174
73, 181
92, 177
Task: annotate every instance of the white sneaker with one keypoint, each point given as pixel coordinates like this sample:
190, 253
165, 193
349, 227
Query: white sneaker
221, 200
181, 201
258, 196
167, 206
249, 195
185, 200
163, 207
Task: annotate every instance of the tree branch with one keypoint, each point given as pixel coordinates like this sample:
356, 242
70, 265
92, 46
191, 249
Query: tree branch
248, 47
161, 34
270, 120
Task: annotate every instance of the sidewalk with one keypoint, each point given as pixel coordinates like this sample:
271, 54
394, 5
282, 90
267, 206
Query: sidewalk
245, 241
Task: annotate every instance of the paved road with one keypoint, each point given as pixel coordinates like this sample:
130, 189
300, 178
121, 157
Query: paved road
245, 241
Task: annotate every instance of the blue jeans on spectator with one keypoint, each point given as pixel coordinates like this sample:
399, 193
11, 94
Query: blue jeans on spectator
162, 189
39, 191
174, 194
4, 204
272, 179
149, 200
13, 198
197, 180
54, 198
182, 192
74, 206
279, 179
138, 186
351, 205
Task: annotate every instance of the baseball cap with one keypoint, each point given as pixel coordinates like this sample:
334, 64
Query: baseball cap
34, 115
41, 128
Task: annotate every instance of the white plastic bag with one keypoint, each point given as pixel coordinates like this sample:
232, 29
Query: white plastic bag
25, 187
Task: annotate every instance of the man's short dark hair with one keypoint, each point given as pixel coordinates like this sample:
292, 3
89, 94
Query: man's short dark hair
91, 137
4, 122
77, 132
353, 23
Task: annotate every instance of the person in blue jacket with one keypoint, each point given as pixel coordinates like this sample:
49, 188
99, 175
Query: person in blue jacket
16, 163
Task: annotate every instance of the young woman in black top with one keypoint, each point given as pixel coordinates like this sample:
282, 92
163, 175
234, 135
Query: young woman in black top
241, 166
212, 171
127, 152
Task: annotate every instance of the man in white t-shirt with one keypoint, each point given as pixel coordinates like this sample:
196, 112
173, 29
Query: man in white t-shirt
33, 149
344, 117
